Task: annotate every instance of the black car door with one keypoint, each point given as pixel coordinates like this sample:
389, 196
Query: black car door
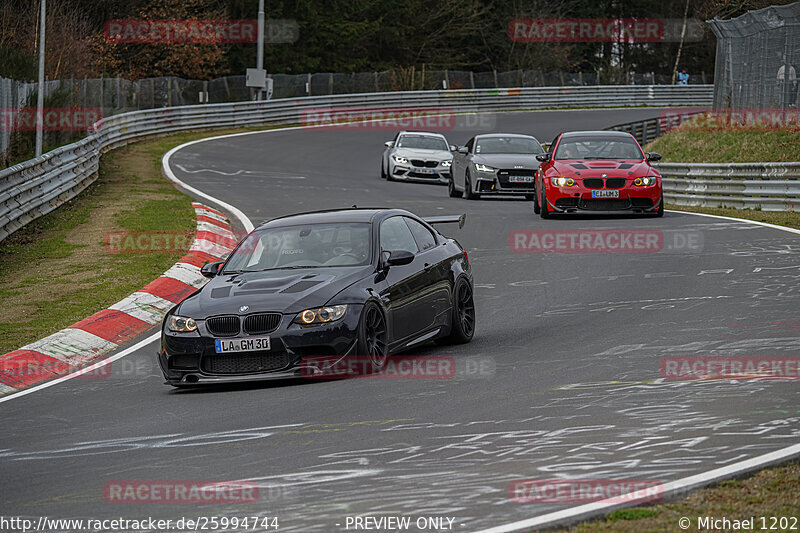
436, 261
405, 284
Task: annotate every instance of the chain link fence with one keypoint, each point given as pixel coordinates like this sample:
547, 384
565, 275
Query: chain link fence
758, 54
111, 96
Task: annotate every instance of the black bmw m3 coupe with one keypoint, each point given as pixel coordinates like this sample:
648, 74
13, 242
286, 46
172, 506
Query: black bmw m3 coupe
341, 283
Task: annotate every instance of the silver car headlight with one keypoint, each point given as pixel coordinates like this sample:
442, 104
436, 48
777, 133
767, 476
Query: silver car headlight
483, 168
181, 324
401, 160
320, 315
447, 162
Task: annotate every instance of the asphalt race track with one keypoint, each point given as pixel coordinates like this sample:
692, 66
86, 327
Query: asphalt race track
561, 380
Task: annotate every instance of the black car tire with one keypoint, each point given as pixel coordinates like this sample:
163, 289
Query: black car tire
462, 328
383, 172
389, 172
660, 210
536, 208
373, 336
468, 194
543, 211
452, 192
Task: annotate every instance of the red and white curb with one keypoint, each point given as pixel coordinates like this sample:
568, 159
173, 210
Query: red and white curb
95, 336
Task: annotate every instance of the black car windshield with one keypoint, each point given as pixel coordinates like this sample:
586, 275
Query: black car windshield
598, 148
308, 246
508, 145
422, 142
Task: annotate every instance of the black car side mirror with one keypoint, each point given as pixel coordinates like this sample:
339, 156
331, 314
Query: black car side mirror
399, 257
543, 157
653, 156
463, 150
210, 270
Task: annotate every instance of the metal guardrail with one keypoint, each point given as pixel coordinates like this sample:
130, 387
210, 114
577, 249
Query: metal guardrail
33, 188
649, 130
764, 186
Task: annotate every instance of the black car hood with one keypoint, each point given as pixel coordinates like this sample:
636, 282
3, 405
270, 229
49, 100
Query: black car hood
284, 291
507, 160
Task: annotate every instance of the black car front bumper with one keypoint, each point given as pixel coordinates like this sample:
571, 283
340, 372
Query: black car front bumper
191, 359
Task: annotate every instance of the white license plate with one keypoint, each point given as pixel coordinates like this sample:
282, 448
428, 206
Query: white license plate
605, 194
241, 345
520, 179
424, 171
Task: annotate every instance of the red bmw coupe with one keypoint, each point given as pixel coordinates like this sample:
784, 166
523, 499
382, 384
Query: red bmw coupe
597, 171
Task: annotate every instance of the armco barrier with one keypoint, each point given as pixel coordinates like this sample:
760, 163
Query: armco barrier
765, 186
33, 188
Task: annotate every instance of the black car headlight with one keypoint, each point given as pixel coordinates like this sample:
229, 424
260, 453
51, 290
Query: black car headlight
181, 324
320, 315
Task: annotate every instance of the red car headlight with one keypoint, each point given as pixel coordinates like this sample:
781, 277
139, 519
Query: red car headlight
646, 181
561, 181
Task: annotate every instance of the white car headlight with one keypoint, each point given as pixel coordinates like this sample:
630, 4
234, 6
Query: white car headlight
320, 315
483, 168
181, 324
401, 160
447, 162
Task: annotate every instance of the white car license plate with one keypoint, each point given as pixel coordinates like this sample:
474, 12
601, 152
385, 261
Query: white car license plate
424, 171
520, 179
605, 194
241, 345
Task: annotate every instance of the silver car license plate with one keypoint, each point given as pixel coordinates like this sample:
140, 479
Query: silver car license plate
520, 179
605, 194
424, 171
252, 344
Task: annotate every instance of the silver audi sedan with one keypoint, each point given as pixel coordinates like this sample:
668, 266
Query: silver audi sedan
417, 156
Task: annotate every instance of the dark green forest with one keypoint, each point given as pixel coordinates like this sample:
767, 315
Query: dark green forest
353, 36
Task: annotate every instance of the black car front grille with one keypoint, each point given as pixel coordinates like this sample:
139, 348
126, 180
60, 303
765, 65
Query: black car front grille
593, 183
223, 326
185, 361
602, 204
425, 164
642, 202
420, 175
245, 363
563, 203
615, 183
261, 323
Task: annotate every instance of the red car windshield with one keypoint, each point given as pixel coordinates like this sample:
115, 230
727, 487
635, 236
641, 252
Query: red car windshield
598, 148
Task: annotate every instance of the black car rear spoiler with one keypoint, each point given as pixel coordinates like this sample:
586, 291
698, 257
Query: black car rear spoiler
446, 219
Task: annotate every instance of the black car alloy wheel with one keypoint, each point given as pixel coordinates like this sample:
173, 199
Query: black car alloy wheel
463, 327
372, 335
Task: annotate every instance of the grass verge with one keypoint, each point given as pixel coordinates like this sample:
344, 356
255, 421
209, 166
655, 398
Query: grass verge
774, 492
56, 270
